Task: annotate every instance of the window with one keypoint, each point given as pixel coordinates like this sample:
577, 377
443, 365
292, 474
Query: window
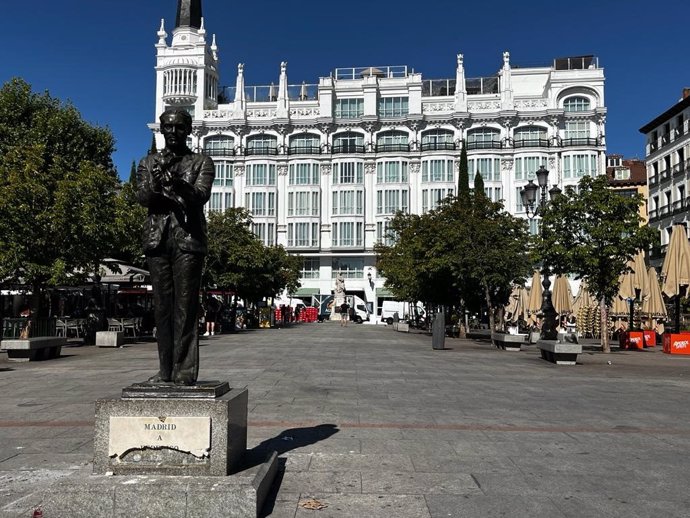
224, 174
489, 168
348, 267
349, 108
437, 171
305, 143
261, 174
348, 233
519, 207
220, 201
493, 193
384, 234
261, 203
576, 104
348, 142
348, 202
303, 203
310, 268
577, 132
390, 201
525, 167
534, 226
577, 166
265, 232
437, 139
219, 145
303, 174
393, 107
622, 173
530, 136
262, 145
392, 141
484, 138
432, 197
348, 172
391, 172
303, 234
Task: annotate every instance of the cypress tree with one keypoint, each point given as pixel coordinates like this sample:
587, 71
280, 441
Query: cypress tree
463, 175
478, 185
133, 174
153, 149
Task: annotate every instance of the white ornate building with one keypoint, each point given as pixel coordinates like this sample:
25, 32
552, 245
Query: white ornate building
668, 169
323, 167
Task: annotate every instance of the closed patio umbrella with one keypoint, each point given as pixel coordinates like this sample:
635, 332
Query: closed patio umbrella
676, 267
562, 295
583, 299
535, 294
640, 275
653, 304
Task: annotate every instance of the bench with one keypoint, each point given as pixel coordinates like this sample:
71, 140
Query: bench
508, 342
562, 351
33, 349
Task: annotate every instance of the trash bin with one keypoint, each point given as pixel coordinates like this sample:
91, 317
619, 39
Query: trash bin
438, 331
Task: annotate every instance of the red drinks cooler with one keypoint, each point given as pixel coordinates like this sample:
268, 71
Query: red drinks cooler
631, 340
649, 338
677, 343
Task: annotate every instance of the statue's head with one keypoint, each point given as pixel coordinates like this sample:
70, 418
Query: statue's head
176, 126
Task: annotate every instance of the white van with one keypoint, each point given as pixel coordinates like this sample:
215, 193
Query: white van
405, 310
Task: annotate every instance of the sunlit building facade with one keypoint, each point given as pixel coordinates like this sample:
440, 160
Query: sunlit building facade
323, 166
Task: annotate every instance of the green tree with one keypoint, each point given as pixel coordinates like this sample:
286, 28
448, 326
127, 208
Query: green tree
463, 175
129, 225
478, 185
57, 191
593, 233
237, 260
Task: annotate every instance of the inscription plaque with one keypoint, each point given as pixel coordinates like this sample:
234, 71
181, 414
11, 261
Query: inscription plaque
186, 434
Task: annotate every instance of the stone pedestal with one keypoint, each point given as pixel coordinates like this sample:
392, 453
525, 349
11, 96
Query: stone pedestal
171, 430
167, 450
110, 338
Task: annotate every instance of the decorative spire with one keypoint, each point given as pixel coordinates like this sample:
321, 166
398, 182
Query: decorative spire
240, 99
188, 14
506, 84
214, 48
460, 88
282, 108
162, 34
202, 32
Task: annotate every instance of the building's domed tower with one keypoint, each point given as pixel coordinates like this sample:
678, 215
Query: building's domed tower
187, 69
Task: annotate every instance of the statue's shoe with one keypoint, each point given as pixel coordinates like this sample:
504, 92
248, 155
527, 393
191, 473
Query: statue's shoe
157, 378
180, 380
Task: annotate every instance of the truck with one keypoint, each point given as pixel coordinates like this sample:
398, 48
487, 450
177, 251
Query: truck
409, 311
325, 304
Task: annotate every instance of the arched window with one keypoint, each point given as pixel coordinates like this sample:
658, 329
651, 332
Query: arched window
484, 138
576, 104
305, 143
348, 142
392, 141
530, 136
219, 145
262, 145
437, 139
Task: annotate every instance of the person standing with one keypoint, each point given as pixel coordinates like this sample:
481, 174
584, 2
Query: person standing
344, 308
174, 185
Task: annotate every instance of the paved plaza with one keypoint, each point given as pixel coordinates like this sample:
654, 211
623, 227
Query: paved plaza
374, 423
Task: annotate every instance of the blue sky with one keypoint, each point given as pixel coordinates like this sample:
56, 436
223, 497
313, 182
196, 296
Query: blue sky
100, 54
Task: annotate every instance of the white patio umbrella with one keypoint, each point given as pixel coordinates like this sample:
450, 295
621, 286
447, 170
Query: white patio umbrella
534, 301
676, 268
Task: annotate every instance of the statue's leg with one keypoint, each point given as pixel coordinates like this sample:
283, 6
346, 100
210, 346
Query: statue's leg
187, 273
162, 280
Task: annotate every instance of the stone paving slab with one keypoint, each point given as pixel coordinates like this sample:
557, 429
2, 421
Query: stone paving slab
375, 423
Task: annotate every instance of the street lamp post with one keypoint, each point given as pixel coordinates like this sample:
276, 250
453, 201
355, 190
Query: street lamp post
528, 194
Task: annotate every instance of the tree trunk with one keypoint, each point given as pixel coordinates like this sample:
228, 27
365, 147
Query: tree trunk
490, 309
604, 314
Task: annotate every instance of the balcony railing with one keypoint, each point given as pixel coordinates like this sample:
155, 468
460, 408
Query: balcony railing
382, 148
664, 175
490, 144
438, 146
663, 211
347, 148
304, 150
227, 151
579, 141
653, 214
653, 180
260, 151
531, 142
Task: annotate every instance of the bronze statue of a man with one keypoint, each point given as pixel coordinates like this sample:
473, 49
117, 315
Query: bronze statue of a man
174, 185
